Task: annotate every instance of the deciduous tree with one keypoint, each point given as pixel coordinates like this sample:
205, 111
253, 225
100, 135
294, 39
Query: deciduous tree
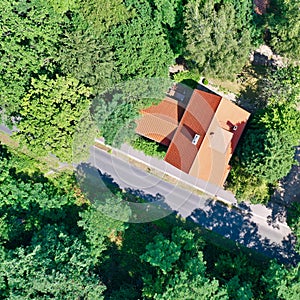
51, 111
30, 31
104, 219
267, 150
282, 283
179, 269
141, 48
55, 265
103, 14
87, 58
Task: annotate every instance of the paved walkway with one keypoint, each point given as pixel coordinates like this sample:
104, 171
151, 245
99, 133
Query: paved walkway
254, 226
5, 129
274, 214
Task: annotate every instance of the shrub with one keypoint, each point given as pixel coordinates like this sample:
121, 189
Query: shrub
189, 78
248, 188
149, 147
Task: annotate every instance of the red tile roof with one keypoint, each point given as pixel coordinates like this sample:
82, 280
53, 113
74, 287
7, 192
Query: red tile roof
208, 115
212, 161
168, 109
196, 119
159, 122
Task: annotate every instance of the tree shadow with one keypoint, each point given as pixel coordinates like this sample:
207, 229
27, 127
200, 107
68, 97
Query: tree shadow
253, 79
286, 194
182, 93
142, 195
32, 205
278, 215
16, 171
235, 224
98, 186
94, 184
203, 88
122, 266
289, 190
175, 34
190, 82
238, 226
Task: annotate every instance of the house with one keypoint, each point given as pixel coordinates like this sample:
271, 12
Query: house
201, 130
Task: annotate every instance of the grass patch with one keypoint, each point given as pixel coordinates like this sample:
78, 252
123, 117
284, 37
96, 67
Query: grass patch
226, 85
103, 147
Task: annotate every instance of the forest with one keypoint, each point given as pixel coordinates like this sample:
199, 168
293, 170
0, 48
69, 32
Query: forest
74, 70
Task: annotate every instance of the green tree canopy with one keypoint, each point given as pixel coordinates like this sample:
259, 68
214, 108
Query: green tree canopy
30, 31
179, 269
104, 219
282, 84
55, 265
28, 202
267, 150
86, 58
141, 48
219, 36
294, 222
115, 110
284, 26
282, 283
102, 14
43, 253
51, 112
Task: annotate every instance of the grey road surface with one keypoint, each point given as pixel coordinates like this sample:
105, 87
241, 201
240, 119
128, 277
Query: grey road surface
265, 234
256, 227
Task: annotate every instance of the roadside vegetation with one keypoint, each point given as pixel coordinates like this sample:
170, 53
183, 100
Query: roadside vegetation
56, 244
72, 70
266, 152
149, 147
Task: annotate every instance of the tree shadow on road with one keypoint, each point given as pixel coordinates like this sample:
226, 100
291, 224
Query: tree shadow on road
98, 187
234, 224
142, 195
238, 226
278, 215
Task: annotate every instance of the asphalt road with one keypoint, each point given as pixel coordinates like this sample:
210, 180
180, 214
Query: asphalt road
266, 235
262, 232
